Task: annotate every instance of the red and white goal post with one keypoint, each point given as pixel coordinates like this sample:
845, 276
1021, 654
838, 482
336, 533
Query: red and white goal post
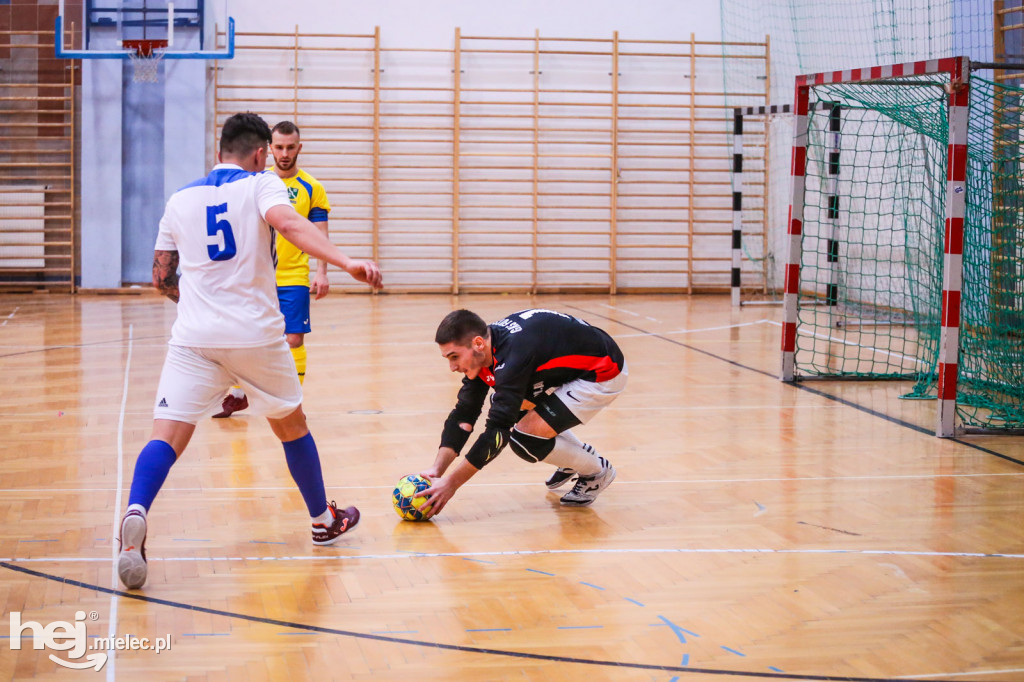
955, 74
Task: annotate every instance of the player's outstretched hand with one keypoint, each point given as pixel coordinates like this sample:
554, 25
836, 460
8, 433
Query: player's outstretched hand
366, 271
437, 496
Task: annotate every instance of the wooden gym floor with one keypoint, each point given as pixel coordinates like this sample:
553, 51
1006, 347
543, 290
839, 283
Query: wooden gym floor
755, 531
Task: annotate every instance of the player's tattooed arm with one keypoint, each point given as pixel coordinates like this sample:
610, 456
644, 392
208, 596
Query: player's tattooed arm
165, 273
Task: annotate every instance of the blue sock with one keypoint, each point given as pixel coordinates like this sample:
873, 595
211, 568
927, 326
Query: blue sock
155, 460
304, 465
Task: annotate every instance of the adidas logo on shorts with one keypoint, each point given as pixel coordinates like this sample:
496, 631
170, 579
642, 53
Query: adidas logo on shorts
162, 403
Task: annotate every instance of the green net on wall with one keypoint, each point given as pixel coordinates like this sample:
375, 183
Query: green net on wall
810, 36
991, 385
871, 266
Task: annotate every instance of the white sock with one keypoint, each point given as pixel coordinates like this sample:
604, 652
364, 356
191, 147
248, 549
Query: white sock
326, 519
572, 453
237, 392
136, 507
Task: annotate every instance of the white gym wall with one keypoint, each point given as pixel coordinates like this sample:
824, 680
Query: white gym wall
116, 243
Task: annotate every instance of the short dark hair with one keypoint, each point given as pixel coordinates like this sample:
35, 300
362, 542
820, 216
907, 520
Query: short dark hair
460, 326
286, 128
243, 134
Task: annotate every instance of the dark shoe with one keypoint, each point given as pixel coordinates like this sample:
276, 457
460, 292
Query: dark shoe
344, 521
231, 405
559, 478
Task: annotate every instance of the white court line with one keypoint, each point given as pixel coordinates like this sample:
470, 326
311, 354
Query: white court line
537, 552
112, 630
701, 329
11, 316
116, 343
832, 339
824, 337
163, 344
618, 482
621, 310
973, 672
403, 413
629, 312
530, 483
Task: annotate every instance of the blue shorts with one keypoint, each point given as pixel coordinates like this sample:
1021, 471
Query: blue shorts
294, 303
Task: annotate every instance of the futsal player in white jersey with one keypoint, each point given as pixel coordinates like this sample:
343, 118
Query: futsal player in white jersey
229, 330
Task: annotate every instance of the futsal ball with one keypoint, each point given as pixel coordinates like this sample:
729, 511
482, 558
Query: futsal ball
404, 497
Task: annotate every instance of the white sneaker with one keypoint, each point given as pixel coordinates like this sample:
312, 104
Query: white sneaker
587, 488
131, 561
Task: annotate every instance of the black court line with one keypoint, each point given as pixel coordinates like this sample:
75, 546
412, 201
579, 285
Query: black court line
80, 345
439, 645
804, 387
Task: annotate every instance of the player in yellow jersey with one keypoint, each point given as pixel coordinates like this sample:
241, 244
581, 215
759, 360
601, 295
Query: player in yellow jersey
309, 199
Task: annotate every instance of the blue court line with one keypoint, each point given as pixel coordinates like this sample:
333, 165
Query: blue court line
534, 570
479, 561
596, 587
733, 651
488, 629
680, 631
436, 646
778, 670
634, 601
47, 540
205, 634
266, 542
686, 660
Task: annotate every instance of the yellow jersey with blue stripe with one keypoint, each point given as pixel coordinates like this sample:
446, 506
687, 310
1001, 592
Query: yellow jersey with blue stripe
310, 201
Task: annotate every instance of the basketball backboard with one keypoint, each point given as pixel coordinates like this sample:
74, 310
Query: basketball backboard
121, 29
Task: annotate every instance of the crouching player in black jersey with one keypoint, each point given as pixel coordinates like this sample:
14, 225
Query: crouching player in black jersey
550, 372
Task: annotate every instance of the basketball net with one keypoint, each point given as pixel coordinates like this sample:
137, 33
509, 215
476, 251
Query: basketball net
145, 59
146, 69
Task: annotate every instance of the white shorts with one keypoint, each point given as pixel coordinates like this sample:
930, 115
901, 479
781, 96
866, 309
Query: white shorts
194, 380
583, 399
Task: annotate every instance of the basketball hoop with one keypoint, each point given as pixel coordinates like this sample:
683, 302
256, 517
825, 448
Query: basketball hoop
145, 59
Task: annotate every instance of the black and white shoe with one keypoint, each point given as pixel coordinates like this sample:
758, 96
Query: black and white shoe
559, 478
587, 488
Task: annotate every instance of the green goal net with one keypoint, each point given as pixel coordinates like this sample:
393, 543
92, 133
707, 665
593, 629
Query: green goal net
871, 266
810, 36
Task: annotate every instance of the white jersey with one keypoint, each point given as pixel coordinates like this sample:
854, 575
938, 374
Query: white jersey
228, 295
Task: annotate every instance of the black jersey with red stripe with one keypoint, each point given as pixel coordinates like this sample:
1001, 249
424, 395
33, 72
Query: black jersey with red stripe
535, 350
